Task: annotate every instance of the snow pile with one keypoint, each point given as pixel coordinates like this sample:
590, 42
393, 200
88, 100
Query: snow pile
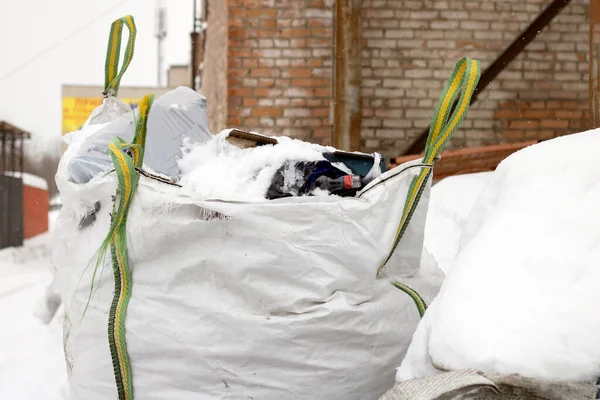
32, 363
31, 180
220, 170
522, 297
449, 208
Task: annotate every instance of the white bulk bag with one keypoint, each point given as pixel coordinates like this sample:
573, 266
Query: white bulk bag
275, 299
269, 300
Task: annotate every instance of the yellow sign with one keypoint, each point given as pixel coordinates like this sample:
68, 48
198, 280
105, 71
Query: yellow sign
76, 110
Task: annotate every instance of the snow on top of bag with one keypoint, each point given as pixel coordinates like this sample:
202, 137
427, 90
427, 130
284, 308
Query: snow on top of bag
220, 170
522, 297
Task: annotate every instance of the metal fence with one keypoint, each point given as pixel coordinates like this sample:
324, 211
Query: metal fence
12, 141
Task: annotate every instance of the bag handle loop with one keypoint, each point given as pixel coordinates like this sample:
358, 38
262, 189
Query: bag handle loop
112, 74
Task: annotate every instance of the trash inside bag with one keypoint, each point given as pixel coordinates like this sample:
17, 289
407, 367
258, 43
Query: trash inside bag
303, 178
271, 168
178, 114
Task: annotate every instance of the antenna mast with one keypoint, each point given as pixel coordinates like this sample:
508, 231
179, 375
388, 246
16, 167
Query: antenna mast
161, 34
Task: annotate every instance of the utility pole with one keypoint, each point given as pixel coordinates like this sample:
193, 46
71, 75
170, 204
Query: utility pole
197, 39
161, 34
347, 76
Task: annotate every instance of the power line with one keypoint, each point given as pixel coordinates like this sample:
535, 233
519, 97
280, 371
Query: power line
61, 41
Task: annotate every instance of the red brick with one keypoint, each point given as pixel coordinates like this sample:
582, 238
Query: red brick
554, 123
553, 104
532, 114
237, 12
571, 105
568, 114
262, 13
234, 121
323, 132
523, 124
300, 72
294, 32
320, 92
510, 114
238, 72
250, 62
314, 63
264, 92
240, 53
239, 91
309, 82
264, 72
321, 112
514, 135
237, 33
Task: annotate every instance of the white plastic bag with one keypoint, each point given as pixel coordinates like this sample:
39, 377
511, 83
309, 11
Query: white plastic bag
177, 115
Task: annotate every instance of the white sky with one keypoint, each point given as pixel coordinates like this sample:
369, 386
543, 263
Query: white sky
31, 98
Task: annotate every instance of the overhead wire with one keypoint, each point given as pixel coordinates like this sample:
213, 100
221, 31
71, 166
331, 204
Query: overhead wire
48, 49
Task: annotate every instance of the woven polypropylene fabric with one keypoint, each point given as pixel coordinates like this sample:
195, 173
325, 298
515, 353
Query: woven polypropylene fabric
515, 387
441, 386
472, 385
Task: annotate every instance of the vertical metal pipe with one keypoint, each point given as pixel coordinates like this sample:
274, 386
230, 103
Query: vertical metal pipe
194, 42
13, 151
22, 155
3, 158
347, 79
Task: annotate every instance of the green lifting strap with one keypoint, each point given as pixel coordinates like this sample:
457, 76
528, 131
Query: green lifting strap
126, 158
463, 82
112, 75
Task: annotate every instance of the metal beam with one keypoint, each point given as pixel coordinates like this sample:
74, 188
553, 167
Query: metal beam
508, 55
347, 110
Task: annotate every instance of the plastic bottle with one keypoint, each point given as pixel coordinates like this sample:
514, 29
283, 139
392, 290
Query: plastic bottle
332, 185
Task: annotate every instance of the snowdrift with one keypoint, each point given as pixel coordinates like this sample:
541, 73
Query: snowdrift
521, 297
32, 365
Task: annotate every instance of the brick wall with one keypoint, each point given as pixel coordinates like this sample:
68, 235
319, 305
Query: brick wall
279, 67
410, 48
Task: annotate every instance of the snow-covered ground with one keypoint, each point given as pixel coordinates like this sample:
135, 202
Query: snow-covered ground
31, 358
